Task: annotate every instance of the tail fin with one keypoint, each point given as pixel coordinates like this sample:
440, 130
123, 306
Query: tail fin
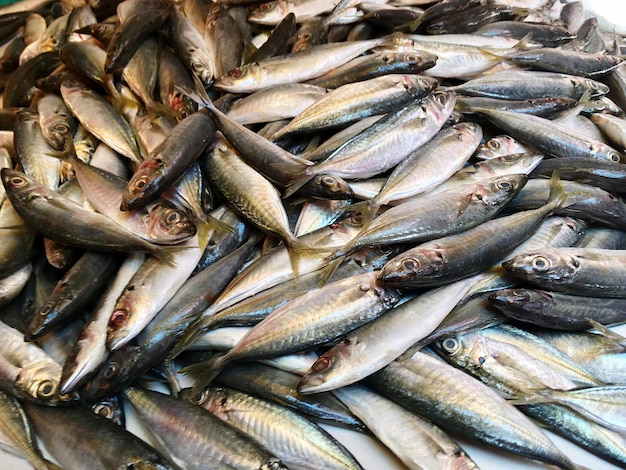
298, 182
198, 95
205, 371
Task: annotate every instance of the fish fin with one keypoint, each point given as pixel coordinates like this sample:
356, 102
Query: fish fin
295, 249
559, 198
533, 397
298, 182
166, 253
46, 465
198, 94
205, 371
607, 332
172, 379
523, 44
327, 271
192, 333
156, 109
217, 224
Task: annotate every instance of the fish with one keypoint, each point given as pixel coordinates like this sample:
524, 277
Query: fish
314, 318
167, 163
42, 208
180, 428
579, 271
378, 343
136, 21
446, 396
94, 437
415, 441
28, 373
556, 310
17, 434
297, 441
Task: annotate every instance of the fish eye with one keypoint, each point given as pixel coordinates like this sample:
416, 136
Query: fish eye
235, 73
411, 264
442, 99
321, 364
521, 294
200, 397
103, 410
504, 184
18, 181
264, 7
493, 144
541, 263
173, 217
118, 317
423, 83
46, 389
141, 183
357, 219
614, 157
451, 345
328, 181
411, 58
197, 66
111, 371
61, 128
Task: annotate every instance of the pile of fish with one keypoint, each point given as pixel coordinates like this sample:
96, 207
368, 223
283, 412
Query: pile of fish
402, 217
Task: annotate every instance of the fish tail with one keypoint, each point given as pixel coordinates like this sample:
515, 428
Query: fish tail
167, 253
608, 333
205, 371
298, 182
46, 465
368, 214
191, 333
296, 249
532, 398
559, 198
197, 95
330, 269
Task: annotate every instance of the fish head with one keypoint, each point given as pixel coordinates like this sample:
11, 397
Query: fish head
497, 191
183, 106
412, 266
213, 399
270, 13
328, 187
170, 224
142, 185
441, 104
527, 299
119, 370
40, 382
543, 265
455, 349
608, 153
21, 187
201, 64
595, 87
326, 373
246, 77
110, 408
497, 146
59, 135
44, 318
122, 327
